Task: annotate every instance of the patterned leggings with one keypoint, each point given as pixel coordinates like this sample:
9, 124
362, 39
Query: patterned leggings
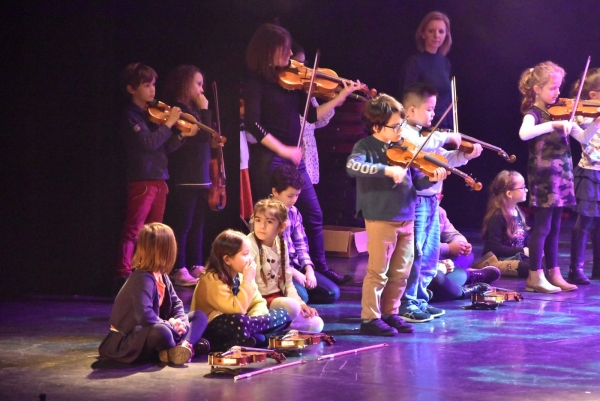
225, 331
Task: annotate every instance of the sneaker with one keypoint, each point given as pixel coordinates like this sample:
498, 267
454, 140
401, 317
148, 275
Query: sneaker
196, 271
377, 327
434, 312
180, 354
399, 324
337, 278
182, 277
416, 316
486, 274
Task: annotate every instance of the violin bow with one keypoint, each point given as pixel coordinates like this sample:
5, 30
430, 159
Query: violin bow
219, 149
455, 111
309, 95
579, 91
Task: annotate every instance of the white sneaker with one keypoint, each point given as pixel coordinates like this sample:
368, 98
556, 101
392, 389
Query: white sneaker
183, 278
196, 271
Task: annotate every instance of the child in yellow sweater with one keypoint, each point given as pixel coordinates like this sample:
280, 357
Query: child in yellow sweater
227, 294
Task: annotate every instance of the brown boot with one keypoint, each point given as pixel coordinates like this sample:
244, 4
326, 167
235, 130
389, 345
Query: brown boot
536, 282
489, 259
508, 268
555, 278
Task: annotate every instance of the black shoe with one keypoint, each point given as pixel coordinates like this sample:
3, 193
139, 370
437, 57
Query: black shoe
477, 287
576, 276
487, 274
337, 278
377, 327
248, 342
398, 323
202, 347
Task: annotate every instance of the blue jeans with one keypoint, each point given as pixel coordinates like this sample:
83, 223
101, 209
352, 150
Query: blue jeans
448, 287
262, 164
427, 250
326, 291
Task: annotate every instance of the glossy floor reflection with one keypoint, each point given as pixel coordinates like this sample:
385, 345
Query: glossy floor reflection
543, 348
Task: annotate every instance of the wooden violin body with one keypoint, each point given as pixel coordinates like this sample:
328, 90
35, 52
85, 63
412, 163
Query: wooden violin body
326, 84
493, 297
562, 109
241, 356
296, 340
402, 153
159, 112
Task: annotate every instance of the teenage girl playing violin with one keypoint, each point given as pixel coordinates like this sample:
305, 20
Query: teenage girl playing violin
272, 116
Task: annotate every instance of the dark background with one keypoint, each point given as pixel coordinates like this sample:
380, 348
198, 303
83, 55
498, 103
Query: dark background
62, 176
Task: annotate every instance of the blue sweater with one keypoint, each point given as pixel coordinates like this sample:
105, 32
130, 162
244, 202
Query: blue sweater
147, 145
377, 198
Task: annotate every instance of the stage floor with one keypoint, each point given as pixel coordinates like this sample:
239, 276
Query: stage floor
545, 347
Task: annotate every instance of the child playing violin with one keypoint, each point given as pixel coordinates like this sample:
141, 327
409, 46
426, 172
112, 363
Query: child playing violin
190, 182
147, 146
227, 294
147, 319
385, 198
275, 280
272, 116
419, 99
549, 171
587, 189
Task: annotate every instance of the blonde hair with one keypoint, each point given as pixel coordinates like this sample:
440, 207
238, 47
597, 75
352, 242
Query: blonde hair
280, 212
228, 243
503, 182
433, 16
156, 249
590, 83
538, 75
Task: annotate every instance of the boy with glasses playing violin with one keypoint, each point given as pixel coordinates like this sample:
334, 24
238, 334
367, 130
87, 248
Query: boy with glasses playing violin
386, 200
147, 145
419, 100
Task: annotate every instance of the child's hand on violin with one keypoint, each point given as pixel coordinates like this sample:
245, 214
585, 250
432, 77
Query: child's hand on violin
291, 153
563, 125
202, 102
308, 312
453, 138
250, 271
193, 131
174, 115
476, 152
217, 141
349, 87
439, 174
396, 173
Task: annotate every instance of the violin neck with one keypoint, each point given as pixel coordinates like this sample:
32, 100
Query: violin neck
445, 165
483, 144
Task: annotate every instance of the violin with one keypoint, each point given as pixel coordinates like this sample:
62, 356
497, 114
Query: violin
295, 340
562, 109
401, 153
492, 298
159, 112
326, 82
217, 196
466, 145
242, 356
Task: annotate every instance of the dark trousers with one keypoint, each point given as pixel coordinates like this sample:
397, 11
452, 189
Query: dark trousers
161, 337
186, 212
448, 287
262, 164
326, 291
544, 238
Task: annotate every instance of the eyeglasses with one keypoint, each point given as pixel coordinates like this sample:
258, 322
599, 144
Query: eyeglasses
396, 128
516, 189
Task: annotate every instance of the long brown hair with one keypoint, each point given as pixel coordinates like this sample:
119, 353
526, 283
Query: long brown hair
262, 48
538, 75
280, 212
503, 182
178, 84
228, 243
156, 249
432, 16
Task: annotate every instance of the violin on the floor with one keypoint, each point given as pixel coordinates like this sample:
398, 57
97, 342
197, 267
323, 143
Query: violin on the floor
492, 298
296, 340
236, 357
